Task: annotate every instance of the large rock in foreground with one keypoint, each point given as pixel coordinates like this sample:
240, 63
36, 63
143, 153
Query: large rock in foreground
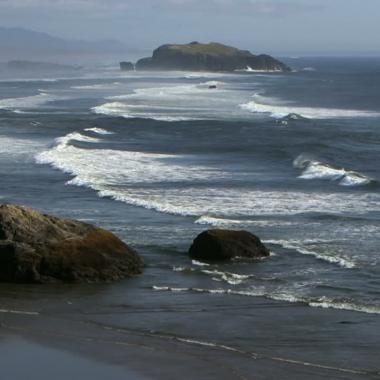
37, 248
218, 245
208, 57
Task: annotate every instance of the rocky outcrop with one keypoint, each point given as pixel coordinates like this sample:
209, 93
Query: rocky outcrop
218, 245
127, 66
38, 248
208, 57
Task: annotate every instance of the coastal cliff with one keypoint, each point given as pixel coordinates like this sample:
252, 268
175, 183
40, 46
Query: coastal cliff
208, 57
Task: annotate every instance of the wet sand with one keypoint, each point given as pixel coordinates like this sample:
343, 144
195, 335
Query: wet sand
86, 332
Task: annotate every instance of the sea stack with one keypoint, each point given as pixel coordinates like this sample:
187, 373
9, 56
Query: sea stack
38, 248
221, 245
127, 66
213, 56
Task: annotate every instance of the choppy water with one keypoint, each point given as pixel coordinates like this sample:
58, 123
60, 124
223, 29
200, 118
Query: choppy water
158, 157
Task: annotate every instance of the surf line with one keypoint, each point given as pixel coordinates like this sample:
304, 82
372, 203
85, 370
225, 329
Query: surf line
7, 311
252, 355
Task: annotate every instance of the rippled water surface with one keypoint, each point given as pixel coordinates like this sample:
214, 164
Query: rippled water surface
158, 157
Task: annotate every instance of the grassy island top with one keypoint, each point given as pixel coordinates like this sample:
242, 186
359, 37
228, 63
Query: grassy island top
213, 48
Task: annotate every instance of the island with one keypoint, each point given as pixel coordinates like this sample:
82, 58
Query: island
213, 56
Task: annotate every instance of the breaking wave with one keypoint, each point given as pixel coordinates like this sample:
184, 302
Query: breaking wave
98, 86
249, 69
268, 106
122, 175
313, 169
14, 104
99, 131
321, 302
202, 101
220, 222
127, 111
302, 248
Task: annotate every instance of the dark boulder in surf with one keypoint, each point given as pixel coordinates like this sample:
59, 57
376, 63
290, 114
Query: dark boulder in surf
38, 248
219, 245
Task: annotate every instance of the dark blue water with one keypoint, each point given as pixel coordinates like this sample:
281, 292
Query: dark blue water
158, 157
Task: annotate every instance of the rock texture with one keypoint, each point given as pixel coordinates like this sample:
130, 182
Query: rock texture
38, 248
127, 66
207, 57
218, 245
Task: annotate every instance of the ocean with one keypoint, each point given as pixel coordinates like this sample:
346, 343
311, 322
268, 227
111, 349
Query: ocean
159, 157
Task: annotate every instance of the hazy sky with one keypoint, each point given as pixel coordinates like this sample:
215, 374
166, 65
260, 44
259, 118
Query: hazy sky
273, 26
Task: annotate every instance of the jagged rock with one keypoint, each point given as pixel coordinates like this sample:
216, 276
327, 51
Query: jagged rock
127, 66
38, 248
218, 245
208, 57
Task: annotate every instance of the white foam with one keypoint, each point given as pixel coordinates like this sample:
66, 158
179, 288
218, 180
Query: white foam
301, 247
99, 131
117, 174
167, 93
119, 109
213, 83
263, 105
98, 86
317, 170
26, 80
197, 290
355, 179
27, 102
200, 263
200, 75
230, 278
221, 222
321, 302
9, 311
16, 148
176, 103
204, 220
182, 269
313, 169
64, 141
249, 69
326, 303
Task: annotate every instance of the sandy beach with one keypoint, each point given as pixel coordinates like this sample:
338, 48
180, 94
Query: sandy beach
65, 332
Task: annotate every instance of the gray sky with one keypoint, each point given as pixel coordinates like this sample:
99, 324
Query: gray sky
272, 26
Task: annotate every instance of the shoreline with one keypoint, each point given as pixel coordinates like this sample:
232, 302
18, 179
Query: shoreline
282, 340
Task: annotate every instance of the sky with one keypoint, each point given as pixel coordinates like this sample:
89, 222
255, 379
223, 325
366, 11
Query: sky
281, 27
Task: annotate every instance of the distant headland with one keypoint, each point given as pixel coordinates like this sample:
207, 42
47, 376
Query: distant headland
213, 56
39, 66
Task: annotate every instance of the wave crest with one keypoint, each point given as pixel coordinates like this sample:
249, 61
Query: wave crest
314, 169
321, 302
278, 110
